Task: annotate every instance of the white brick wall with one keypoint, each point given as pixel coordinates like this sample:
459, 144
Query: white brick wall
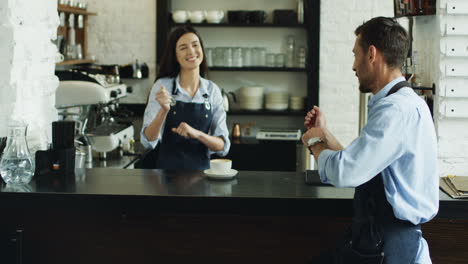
27, 80
122, 32
339, 92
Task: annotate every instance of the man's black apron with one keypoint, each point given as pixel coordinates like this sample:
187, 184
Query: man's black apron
175, 152
376, 235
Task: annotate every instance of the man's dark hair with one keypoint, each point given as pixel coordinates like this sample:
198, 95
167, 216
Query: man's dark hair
169, 66
388, 37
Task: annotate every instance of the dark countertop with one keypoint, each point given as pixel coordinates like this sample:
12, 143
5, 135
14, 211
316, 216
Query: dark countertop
251, 192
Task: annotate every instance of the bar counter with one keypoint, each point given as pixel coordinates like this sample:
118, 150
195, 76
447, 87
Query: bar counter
121, 216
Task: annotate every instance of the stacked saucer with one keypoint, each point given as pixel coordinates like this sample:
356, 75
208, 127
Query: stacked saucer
251, 97
276, 101
296, 103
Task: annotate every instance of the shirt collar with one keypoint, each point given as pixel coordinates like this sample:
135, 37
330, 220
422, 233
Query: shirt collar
203, 89
384, 91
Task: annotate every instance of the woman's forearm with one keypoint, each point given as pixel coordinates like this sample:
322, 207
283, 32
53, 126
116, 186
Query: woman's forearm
213, 143
154, 128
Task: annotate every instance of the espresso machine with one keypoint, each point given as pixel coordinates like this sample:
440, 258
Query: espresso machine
91, 98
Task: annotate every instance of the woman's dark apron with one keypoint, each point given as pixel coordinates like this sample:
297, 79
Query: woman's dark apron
175, 152
376, 235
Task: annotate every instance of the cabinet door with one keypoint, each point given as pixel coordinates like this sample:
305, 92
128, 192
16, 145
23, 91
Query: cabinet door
11, 245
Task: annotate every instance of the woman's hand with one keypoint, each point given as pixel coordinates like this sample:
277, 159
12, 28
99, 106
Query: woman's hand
186, 131
163, 98
315, 118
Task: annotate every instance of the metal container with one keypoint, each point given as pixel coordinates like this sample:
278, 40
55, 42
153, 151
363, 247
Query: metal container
80, 158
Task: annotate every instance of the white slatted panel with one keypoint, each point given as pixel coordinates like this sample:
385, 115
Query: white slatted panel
457, 7
454, 88
456, 109
454, 68
454, 46
457, 25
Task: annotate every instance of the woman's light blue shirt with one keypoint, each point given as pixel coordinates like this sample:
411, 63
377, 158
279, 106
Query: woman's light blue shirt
218, 127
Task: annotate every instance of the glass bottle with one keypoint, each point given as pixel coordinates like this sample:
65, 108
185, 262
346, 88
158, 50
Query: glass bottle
17, 165
290, 51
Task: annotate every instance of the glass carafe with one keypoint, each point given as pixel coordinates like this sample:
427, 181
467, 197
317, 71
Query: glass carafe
17, 164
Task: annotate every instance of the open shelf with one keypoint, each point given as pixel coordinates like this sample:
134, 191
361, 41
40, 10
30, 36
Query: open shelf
266, 69
73, 62
239, 25
74, 10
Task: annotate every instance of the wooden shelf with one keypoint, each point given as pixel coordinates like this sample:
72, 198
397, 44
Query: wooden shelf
74, 10
239, 25
263, 69
73, 62
267, 112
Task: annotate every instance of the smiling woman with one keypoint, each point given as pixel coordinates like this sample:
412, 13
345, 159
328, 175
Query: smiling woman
184, 120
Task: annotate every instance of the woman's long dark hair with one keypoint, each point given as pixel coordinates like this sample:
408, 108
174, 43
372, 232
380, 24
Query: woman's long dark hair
169, 66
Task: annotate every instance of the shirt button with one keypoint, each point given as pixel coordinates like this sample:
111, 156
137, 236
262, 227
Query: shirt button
206, 116
175, 112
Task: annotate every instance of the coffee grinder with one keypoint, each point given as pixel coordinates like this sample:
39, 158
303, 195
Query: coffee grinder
55, 167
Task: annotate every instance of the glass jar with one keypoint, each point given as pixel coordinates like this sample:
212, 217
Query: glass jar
237, 57
17, 165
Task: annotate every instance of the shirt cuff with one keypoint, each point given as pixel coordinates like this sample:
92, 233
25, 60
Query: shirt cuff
321, 161
227, 146
145, 142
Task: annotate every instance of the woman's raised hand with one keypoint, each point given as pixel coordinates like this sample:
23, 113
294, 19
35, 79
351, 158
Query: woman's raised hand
164, 98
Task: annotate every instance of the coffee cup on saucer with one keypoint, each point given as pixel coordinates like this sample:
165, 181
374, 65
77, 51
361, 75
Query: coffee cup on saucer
220, 166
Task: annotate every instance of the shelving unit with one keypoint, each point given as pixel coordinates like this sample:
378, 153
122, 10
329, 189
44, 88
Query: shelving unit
262, 69
81, 34
74, 62
311, 28
267, 25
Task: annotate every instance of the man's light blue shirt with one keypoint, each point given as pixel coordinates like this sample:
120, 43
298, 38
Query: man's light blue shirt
218, 126
399, 141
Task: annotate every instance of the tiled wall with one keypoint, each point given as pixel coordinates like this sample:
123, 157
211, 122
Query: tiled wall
27, 80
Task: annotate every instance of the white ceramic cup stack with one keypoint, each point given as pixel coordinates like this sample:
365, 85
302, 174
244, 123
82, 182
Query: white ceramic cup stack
251, 97
296, 103
276, 101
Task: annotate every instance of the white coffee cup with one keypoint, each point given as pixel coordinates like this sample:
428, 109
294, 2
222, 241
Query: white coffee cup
220, 166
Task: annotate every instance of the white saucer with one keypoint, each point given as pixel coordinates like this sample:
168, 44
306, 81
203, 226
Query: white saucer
225, 176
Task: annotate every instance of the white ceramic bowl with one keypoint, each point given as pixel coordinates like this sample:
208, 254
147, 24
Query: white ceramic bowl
180, 16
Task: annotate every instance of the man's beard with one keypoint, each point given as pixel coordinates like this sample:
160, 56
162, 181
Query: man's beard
364, 88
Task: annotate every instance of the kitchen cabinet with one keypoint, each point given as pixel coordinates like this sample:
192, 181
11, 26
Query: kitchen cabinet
310, 29
81, 34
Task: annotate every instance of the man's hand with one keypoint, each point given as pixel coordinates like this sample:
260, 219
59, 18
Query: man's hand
163, 98
315, 118
186, 131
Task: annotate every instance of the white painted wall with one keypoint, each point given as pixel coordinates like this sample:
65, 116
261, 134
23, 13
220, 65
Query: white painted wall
27, 55
122, 32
